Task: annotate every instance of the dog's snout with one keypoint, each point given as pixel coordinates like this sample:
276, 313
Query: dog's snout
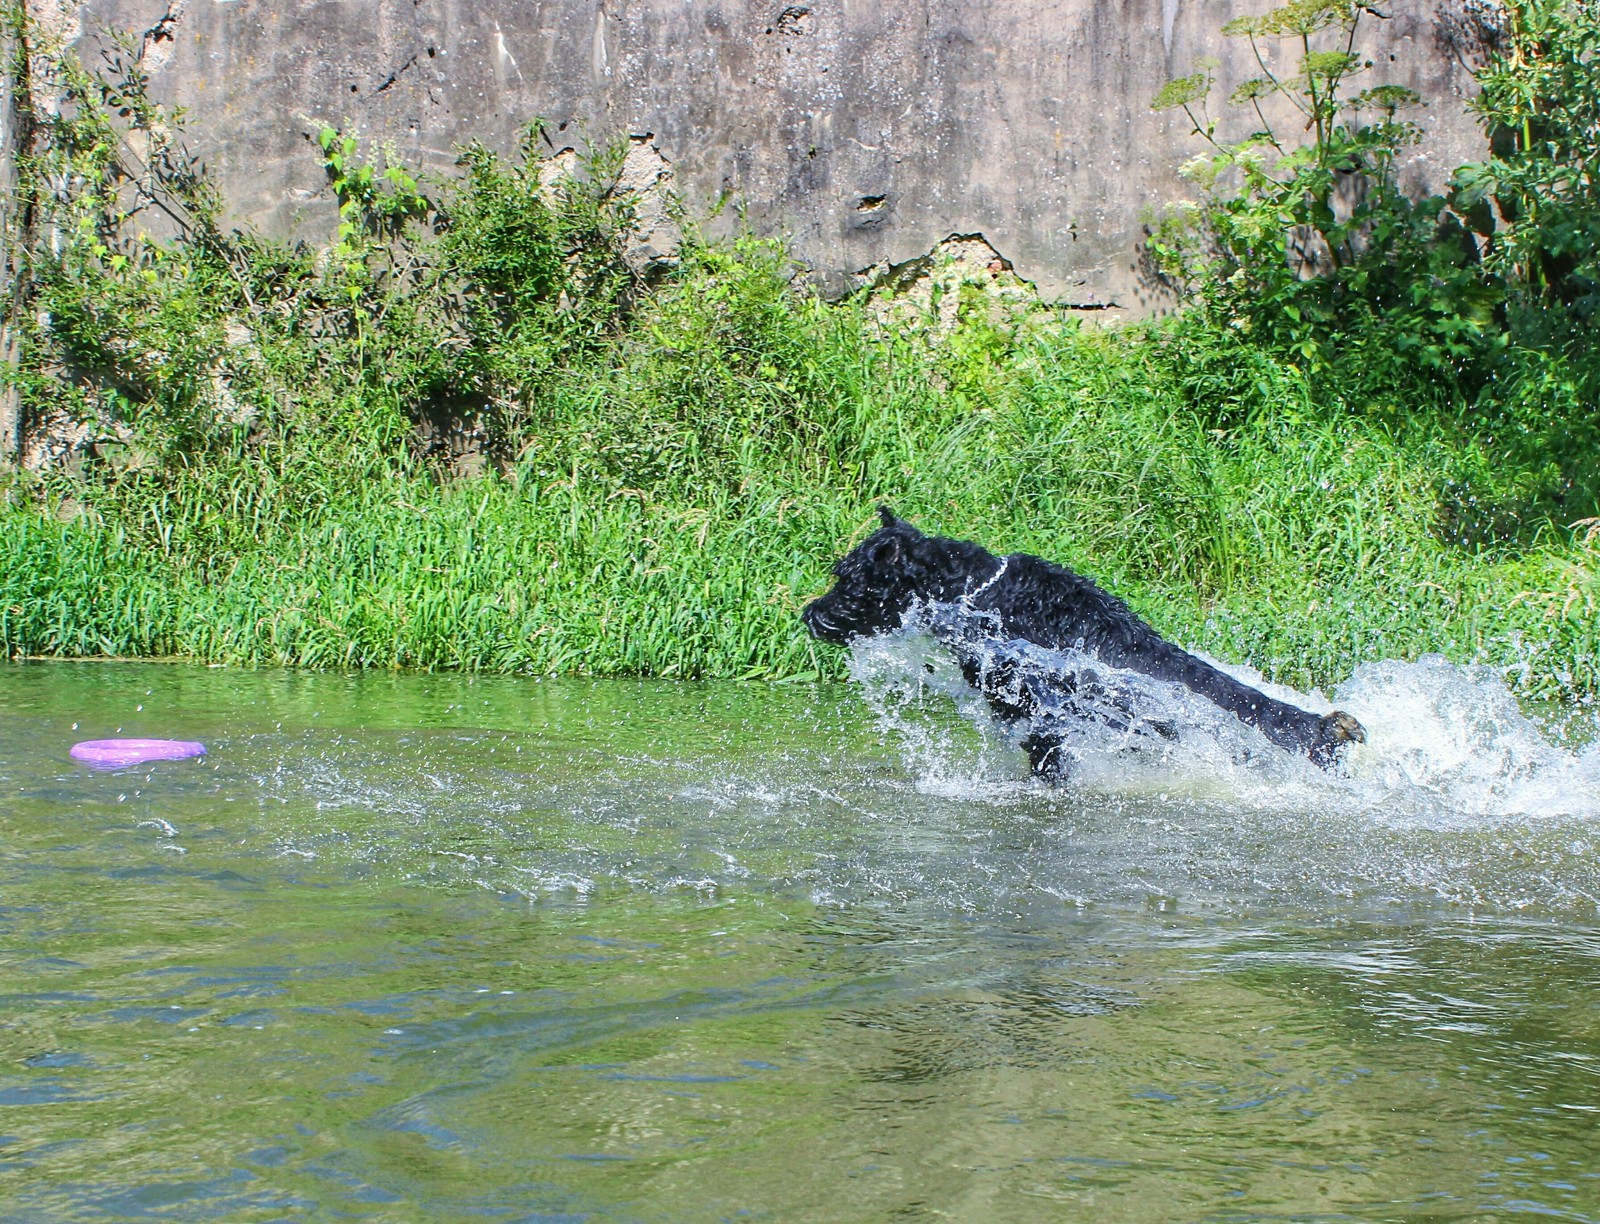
815, 618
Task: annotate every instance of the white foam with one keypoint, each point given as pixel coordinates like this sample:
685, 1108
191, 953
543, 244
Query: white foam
1454, 735
1446, 744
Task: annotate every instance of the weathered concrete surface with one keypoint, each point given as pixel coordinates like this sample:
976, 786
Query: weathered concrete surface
867, 131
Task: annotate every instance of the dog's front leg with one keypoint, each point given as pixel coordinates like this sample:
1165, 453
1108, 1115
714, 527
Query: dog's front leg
1047, 759
1014, 697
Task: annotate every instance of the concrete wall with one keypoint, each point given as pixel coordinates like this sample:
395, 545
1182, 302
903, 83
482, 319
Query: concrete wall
12, 300
867, 130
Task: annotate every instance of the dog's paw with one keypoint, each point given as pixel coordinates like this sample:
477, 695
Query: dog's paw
1341, 728
1166, 728
1333, 733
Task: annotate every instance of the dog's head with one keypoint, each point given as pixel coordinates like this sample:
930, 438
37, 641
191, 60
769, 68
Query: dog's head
877, 583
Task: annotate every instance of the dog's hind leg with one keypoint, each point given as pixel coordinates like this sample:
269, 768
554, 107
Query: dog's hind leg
1318, 737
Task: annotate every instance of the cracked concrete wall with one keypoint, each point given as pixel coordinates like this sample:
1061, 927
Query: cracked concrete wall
12, 301
867, 132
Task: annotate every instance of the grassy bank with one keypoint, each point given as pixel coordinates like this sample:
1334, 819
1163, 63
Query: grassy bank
272, 440
1246, 515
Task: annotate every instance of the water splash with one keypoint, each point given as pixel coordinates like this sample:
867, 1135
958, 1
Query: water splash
1456, 735
1447, 745
737, 791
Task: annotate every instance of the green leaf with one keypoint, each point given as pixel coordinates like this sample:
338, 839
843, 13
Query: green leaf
1182, 91
1328, 65
1253, 89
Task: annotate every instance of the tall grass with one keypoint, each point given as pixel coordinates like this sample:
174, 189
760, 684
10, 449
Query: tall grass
676, 503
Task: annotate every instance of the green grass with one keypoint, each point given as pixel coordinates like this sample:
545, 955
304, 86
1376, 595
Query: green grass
682, 491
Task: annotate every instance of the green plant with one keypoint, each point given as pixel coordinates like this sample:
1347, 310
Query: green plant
1540, 106
433, 315
126, 322
531, 260
372, 202
1534, 207
1314, 248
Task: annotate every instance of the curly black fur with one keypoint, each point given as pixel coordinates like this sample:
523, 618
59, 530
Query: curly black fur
1002, 604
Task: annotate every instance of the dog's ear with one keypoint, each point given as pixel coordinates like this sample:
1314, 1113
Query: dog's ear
886, 553
890, 520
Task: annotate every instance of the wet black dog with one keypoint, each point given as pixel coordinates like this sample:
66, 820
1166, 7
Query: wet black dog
989, 610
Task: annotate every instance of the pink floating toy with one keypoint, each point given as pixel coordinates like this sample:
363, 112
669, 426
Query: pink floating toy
121, 753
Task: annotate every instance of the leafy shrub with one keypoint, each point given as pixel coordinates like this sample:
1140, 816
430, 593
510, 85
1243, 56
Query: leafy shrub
1541, 107
1478, 302
1314, 249
1535, 206
437, 307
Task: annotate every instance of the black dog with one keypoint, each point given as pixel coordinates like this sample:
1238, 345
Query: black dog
989, 610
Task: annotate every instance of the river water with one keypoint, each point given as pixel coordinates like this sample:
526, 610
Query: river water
411, 948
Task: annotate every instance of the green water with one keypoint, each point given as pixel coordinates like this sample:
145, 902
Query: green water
422, 948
